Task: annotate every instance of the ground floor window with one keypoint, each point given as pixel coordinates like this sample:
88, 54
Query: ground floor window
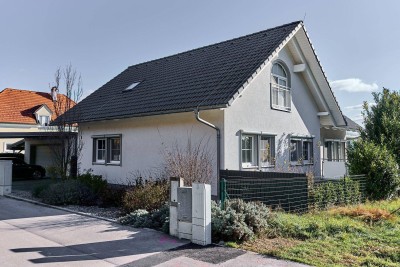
301, 150
335, 150
107, 149
257, 150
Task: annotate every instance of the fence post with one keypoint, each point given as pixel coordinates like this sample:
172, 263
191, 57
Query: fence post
222, 194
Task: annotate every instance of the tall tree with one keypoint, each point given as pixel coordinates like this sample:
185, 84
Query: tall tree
377, 153
382, 121
67, 150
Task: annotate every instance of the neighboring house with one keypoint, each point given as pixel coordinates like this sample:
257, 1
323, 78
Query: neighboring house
334, 153
266, 93
352, 129
24, 123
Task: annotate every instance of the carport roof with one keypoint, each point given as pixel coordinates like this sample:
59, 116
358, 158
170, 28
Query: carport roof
33, 134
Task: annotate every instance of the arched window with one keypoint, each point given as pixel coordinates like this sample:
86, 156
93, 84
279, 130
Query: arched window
280, 88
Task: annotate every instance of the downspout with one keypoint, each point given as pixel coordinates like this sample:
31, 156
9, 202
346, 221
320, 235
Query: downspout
197, 112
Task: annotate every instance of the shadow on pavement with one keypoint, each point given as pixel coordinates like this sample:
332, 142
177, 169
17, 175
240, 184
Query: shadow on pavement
75, 237
210, 254
139, 243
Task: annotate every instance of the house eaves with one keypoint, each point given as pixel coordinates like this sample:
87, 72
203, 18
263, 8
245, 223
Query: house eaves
299, 41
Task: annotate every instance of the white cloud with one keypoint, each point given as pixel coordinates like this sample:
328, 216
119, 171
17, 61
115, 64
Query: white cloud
355, 107
358, 107
353, 85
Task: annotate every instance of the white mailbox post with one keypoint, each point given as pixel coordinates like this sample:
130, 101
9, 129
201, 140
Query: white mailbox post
190, 211
201, 214
5, 177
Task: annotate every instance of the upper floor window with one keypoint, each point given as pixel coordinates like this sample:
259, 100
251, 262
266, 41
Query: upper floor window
44, 120
280, 88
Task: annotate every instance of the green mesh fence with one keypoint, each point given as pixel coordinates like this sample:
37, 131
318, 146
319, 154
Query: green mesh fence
291, 192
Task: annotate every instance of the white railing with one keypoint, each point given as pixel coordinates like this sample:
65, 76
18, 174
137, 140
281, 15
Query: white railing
281, 97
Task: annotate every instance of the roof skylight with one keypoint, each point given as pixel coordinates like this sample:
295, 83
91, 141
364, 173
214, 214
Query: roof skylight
130, 87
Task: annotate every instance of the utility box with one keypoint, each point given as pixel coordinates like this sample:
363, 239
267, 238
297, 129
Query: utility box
5, 177
190, 211
185, 212
185, 204
201, 214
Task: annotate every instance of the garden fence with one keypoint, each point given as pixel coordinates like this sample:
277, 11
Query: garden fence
292, 192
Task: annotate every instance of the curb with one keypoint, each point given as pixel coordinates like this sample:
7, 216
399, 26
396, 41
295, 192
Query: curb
61, 208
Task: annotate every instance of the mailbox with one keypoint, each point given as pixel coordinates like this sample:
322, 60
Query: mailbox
190, 211
185, 204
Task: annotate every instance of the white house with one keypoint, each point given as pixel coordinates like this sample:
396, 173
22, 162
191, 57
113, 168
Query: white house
24, 123
265, 95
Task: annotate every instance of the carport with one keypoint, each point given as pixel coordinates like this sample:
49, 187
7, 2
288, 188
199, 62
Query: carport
38, 147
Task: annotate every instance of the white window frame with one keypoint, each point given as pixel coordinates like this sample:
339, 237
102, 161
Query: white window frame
103, 149
337, 150
111, 150
301, 159
256, 151
271, 152
252, 149
107, 150
44, 120
278, 90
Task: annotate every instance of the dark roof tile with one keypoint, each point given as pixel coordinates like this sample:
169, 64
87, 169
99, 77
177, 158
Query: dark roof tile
207, 77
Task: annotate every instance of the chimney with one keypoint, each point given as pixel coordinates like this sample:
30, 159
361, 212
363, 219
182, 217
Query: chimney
54, 92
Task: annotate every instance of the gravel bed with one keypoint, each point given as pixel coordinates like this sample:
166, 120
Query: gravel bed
112, 213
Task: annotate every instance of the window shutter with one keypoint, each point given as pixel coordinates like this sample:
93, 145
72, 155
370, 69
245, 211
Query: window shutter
94, 150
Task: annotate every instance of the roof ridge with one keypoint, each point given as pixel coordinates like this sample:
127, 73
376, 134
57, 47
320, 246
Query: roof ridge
28, 91
214, 44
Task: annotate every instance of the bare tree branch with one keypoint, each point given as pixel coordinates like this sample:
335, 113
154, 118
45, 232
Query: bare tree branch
67, 144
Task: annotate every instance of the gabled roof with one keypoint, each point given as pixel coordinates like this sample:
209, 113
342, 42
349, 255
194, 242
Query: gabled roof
207, 77
351, 125
45, 107
19, 106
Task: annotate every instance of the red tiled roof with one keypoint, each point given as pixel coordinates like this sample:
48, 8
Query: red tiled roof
18, 106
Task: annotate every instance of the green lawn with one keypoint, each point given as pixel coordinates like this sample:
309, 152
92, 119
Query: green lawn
364, 235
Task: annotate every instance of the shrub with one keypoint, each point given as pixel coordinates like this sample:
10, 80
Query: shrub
193, 162
38, 190
68, 192
112, 196
157, 219
328, 194
379, 165
94, 182
150, 195
239, 221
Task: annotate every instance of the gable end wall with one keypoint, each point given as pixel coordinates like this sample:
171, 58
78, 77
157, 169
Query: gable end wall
252, 112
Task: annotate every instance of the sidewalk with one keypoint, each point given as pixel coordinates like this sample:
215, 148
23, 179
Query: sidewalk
35, 235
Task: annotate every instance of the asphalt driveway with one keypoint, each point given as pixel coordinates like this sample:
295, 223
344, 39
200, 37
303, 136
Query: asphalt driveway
34, 235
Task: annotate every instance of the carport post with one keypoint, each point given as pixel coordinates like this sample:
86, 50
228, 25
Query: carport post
5, 177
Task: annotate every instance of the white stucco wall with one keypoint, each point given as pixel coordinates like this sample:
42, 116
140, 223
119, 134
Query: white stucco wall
13, 127
252, 112
143, 139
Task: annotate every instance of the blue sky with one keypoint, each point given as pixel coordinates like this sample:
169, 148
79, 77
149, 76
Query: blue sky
357, 41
